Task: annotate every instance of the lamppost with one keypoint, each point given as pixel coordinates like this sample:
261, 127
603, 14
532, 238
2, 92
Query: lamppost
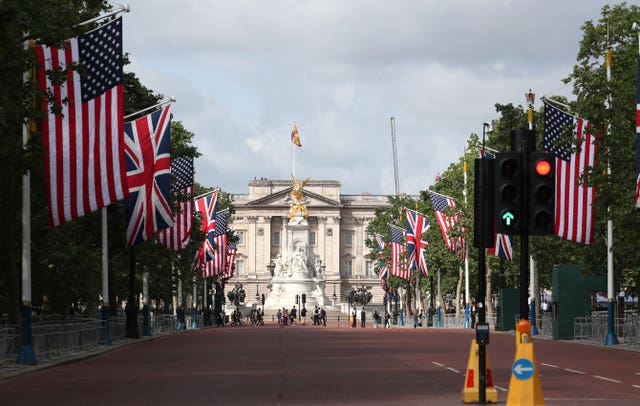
257, 293
334, 297
271, 266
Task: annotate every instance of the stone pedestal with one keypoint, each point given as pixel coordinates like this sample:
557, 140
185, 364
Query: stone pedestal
297, 271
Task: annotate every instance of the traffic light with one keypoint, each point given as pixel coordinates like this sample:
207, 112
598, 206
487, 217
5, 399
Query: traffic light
304, 298
297, 299
508, 192
263, 299
542, 177
484, 219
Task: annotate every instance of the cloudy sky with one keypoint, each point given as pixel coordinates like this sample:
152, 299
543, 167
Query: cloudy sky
243, 71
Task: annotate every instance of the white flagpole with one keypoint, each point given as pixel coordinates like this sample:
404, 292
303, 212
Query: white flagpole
27, 355
160, 103
466, 252
611, 338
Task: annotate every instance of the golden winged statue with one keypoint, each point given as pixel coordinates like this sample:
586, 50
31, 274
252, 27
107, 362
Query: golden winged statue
296, 192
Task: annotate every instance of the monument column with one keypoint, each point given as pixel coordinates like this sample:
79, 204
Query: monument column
252, 237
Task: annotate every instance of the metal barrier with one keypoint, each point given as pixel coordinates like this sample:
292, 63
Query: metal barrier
8, 339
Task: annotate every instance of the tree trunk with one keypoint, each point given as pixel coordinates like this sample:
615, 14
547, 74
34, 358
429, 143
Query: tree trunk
488, 296
459, 290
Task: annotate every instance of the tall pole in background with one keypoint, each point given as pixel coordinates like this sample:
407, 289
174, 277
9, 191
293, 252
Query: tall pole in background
611, 338
27, 356
530, 98
106, 333
466, 253
395, 156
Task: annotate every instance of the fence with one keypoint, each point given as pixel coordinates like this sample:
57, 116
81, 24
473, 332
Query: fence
55, 336
595, 328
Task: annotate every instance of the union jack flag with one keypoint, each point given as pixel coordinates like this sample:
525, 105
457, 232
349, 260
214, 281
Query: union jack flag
417, 225
384, 268
447, 222
398, 268
206, 206
177, 236
147, 208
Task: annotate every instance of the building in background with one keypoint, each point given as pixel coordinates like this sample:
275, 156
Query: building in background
337, 235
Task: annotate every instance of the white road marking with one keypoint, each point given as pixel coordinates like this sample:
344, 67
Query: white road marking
437, 363
636, 386
549, 365
500, 388
607, 379
454, 370
574, 371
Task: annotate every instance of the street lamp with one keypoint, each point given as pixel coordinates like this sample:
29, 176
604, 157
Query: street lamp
271, 266
258, 293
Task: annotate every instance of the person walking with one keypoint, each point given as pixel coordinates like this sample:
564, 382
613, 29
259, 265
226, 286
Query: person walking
387, 319
353, 318
363, 318
323, 316
303, 314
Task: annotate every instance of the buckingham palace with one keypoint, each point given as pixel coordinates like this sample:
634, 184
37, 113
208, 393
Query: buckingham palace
335, 227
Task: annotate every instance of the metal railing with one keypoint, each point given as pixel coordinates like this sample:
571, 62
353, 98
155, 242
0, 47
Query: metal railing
595, 328
55, 336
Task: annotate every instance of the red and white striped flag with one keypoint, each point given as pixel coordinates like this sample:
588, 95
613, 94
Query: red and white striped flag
574, 201
83, 132
178, 235
446, 222
398, 266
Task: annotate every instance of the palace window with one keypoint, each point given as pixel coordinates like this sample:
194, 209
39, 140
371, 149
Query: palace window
312, 238
348, 238
348, 267
276, 238
239, 267
369, 268
240, 235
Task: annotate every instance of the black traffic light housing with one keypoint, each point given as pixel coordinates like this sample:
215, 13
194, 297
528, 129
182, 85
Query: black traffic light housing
541, 176
297, 299
484, 218
508, 192
263, 299
304, 298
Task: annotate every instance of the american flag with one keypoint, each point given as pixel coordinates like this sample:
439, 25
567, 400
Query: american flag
219, 262
398, 267
417, 225
384, 268
447, 222
206, 205
574, 201
177, 236
231, 258
83, 131
147, 208
637, 199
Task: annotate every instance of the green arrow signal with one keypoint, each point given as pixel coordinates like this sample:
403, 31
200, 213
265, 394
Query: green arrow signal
508, 218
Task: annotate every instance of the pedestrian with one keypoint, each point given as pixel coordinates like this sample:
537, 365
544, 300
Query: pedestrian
416, 319
474, 311
279, 316
363, 318
387, 319
293, 315
303, 314
323, 317
376, 319
353, 318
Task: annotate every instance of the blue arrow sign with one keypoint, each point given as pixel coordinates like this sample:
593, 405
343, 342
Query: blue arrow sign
523, 369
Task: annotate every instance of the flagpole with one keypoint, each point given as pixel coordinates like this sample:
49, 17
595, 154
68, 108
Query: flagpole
146, 329
124, 8
611, 338
27, 356
530, 98
466, 251
179, 308
194, 322
106, 333
160, 103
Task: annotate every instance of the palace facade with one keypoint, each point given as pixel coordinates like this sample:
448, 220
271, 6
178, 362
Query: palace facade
337, 234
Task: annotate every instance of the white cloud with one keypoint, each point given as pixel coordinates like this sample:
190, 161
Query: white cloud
242, 71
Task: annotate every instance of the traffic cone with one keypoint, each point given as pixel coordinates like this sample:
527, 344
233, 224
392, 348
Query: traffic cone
471, 389
525, 387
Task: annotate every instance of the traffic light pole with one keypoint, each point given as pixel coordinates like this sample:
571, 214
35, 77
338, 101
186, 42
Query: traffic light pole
525, 144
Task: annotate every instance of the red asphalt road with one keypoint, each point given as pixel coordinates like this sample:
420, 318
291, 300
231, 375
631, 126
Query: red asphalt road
320, 366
